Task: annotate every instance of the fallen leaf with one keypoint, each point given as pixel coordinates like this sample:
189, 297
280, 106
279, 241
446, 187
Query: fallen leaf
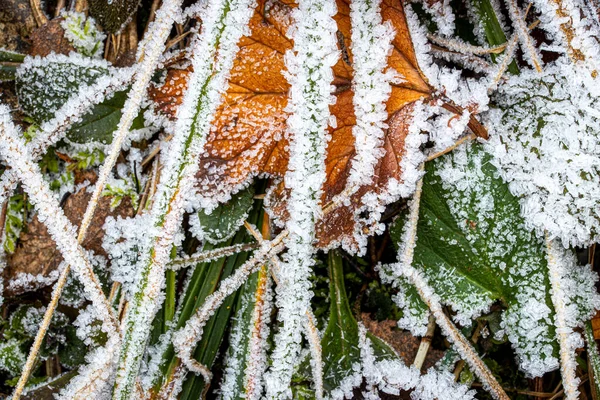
36, 253
50, 38
248, 136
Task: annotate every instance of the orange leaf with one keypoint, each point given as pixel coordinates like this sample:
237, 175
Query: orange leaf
248, 134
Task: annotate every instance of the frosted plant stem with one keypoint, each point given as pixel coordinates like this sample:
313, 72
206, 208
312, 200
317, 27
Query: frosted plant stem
497, 74
257, 347
310, 75
148, 56
464, 47
55, 129
310, 328
185, 339
211, 255
404, 268
213, 51
563, 331
470, 136
522, 31
371, 45
18, 155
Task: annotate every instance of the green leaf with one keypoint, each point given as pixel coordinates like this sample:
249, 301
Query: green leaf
222, 223
7, 73
72, 352
340, 342
474, 250
203, 281
99, 124
83, 34
11, 56
113, 15
13, 223
45, 86
12, 357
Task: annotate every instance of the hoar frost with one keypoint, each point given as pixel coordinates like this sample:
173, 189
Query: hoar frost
545, 141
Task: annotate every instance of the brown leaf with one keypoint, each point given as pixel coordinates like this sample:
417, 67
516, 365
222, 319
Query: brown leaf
248, 134
36, 253
50, 38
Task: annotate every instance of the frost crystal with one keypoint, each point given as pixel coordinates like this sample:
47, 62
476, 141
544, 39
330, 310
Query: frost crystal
83, 34
545, 141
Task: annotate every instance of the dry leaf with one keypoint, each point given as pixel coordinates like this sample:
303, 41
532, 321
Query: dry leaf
50, 38
248, 134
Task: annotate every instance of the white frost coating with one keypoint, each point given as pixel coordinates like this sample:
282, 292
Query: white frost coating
149, 52
371, 45
546, 145
530, 51
568, 340
391, 376
18, 155
82, 33
185, 339
576, 18
310, 75
442, 14
447, 82
94, 379
205, 87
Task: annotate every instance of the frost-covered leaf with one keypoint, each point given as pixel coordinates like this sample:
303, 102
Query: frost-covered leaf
83, 34
113, 15
12, 357
244, 143
545, 142
473, 247
45, 84
222, 223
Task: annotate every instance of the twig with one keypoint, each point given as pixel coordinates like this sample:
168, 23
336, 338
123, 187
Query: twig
38, 14
464, 47
522, 31
425, 344
211, 255
470, 136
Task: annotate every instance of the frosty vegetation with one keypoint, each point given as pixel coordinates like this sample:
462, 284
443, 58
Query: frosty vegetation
449, 156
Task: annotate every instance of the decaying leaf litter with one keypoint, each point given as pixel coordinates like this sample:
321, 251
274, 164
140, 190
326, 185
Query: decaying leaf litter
259, 172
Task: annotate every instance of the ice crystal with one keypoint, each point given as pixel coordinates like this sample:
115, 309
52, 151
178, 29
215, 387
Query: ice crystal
545, 141
82, 33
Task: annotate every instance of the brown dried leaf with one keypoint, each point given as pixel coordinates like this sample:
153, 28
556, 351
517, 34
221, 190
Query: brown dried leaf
248, 134
36, 253
50, 38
